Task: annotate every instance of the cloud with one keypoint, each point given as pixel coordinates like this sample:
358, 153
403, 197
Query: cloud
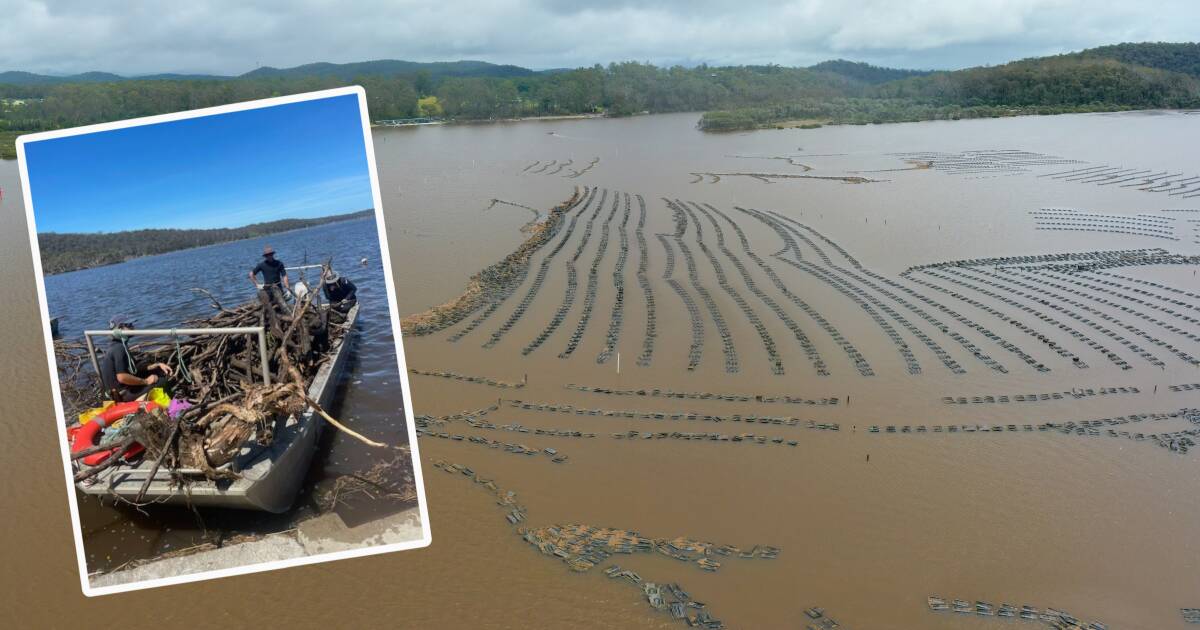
230, 37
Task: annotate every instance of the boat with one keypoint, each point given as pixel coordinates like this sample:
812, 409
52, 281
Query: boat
270, 476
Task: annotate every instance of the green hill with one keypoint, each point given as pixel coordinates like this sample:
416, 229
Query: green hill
341, 71
16, 77
866, 72
1183, 58
1090, 80
392, 68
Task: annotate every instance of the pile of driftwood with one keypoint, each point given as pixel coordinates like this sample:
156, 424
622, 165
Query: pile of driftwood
220, 376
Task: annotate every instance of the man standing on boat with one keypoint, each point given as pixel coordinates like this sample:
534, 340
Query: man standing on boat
340, 292
119, 371
275, 278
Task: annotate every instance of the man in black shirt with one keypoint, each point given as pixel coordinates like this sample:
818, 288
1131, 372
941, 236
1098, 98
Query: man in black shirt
340, 292
275, 278
119, 373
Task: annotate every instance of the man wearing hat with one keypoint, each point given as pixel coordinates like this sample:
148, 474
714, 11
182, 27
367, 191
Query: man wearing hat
339, 292
275, 278
119, 372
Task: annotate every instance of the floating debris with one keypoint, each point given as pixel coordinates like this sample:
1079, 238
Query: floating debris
1055, 618
820, 620
584, 546
1172, 183
577, 173
980, 161
536, 285
1073, 394
643, 280
1074, 221
656, 415
560, 315
768, 178
507, 447
471, 379
589, 294
732, 364
656, 392
617, 316
494, 284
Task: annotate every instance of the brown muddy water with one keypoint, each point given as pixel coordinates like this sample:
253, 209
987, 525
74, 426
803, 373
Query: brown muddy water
868, 524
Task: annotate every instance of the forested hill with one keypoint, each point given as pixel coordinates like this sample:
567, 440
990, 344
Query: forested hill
1183, 58
69, 252
393, 68
866, 72
1123, 76
345, 71
1088, 81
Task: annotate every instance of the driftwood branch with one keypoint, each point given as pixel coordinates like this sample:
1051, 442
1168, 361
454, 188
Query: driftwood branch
216, 304
341, 427
158, 462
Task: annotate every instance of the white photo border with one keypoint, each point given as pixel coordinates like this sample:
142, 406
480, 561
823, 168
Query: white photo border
402, 365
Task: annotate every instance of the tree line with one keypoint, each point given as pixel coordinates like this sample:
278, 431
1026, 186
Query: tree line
1052, 85
1113, 77
62, 252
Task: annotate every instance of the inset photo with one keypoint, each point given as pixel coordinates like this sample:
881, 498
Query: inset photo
224, 345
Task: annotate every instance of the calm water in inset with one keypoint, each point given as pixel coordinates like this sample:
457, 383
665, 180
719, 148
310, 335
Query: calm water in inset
1101, 527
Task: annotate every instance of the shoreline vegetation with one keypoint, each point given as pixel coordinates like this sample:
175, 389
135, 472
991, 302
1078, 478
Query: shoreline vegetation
471, 121
817, 115
1135, 76
494, 282
66, 252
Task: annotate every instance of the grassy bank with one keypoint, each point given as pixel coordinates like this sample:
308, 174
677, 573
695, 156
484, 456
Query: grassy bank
8, 145
865, 111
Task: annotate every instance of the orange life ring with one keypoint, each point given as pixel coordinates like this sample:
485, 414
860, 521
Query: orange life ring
88, 435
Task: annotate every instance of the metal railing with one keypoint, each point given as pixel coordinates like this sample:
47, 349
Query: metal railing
298, 267
175, 332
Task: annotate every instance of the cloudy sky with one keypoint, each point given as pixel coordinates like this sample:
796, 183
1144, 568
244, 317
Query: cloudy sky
231, 37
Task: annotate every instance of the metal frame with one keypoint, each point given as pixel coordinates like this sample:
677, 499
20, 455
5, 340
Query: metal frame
174, 332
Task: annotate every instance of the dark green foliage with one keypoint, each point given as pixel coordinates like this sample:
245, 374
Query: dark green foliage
1065, 80
68, 252
866, 72
8, 140
1183, 58
1081, 82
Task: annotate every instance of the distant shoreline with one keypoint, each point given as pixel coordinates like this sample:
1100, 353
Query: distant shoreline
318, 222
488, 121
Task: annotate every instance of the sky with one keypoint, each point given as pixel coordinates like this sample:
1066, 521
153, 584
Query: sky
235, 36
299, 160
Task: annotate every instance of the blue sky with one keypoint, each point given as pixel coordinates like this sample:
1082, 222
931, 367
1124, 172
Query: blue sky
289, 161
